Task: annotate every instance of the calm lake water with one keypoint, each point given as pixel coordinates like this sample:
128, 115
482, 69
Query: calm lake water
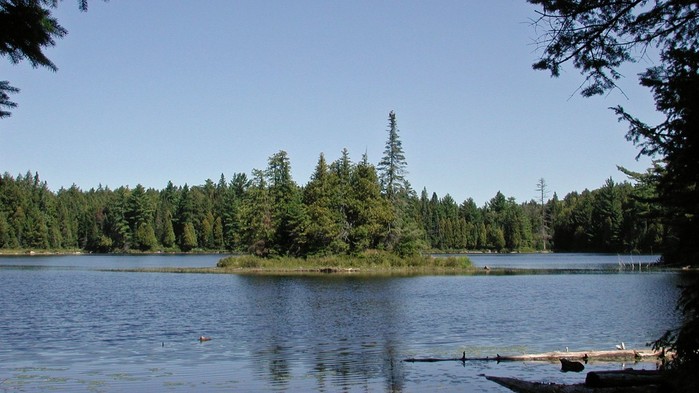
66, 325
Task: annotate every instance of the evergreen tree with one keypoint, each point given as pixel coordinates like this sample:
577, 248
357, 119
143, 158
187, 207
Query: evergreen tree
469, 213
341, 178
435, 228
286, 207
643, 228
324, 218
206, 240
482, 235
404, 230
168, 236
607, 216
542, 190
37, 232
368, 213
4, 231
257, 229
185, 216
5, 90
218, 233
70, 207
26, 30
139, 209
116, 226
144, 237
393, 166
598, 37
232, 201
189, 237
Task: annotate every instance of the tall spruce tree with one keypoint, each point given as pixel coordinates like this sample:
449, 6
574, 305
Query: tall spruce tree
393, 167
405, 235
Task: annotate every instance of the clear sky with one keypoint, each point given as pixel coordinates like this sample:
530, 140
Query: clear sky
159, 90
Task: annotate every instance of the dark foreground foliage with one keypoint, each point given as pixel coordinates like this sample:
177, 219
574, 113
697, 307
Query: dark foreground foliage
597, 37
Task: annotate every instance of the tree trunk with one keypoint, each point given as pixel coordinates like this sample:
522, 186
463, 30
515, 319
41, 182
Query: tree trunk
517, 385
623, 378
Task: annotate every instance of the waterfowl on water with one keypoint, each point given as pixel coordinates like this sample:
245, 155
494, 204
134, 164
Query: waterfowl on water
204, 338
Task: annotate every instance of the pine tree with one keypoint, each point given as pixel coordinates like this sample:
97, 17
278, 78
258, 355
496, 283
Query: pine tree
4, 230
168, 237
368, 213
144, 237
286, 207
255, 217
393, 167
404, 231
189, 237
542, 190
230, 214
218, 233
323, 225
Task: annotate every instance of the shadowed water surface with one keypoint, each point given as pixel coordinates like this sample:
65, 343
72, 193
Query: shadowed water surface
65, 326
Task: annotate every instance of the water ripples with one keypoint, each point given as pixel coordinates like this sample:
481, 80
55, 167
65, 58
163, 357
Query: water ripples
86, 330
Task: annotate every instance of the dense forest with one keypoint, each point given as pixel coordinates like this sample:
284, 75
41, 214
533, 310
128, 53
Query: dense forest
340, 210
345, 208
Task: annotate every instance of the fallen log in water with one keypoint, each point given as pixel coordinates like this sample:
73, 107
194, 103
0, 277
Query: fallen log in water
520, 386
432, 360
629, 354
613, 355
623, 378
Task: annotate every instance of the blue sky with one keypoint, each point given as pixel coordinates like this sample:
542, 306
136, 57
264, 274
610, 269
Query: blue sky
171, 90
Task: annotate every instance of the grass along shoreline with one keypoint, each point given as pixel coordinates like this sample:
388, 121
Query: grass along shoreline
373, 260
368, 263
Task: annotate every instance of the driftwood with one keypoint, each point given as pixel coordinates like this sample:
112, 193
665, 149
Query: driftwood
517, 385
629, 354
623, 378
613, 355
432, 360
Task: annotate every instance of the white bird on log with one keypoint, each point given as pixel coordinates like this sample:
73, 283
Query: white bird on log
621, 347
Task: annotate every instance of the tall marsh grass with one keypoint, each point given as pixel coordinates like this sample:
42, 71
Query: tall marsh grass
368, 260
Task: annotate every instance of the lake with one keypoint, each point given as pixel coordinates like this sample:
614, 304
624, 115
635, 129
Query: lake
68, 325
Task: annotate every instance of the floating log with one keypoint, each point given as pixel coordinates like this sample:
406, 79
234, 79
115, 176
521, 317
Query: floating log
520, 386
432, 360
628, 377
629, 354
585, 356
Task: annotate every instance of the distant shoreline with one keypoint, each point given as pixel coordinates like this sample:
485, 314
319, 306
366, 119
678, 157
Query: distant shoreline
81, 252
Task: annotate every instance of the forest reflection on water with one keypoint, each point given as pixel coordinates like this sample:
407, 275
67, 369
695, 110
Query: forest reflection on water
68, 327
